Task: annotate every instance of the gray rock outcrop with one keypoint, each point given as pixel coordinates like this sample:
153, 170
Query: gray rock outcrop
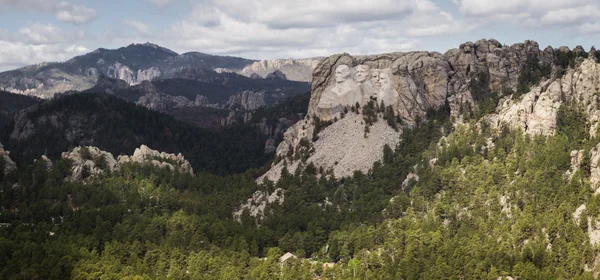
294, 69
121, 72
9, 164
536, 112
248, 100
201, 101
90, 161
341, 147
414, 83
256, 205
149, 74
172, 162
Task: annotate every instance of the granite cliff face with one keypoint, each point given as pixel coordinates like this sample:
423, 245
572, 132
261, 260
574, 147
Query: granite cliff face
248, 100
535, 113
293, 69
410, 84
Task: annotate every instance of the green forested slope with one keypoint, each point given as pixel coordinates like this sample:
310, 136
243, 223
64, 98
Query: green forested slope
475, 213
120, 127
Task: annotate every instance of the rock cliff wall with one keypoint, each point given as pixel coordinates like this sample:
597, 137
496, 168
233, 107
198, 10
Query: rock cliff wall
413, 83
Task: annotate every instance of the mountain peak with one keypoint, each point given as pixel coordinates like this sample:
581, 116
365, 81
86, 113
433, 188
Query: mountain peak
154, 46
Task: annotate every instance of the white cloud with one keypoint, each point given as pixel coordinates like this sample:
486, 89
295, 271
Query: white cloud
570, 15
137, 25
18, 54
160, 3
494, 8
37, 33
77, 14
273, 28
63, 11
531, 13
36, 43
590, 28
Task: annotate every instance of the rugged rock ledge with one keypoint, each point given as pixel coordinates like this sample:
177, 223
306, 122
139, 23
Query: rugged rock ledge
413, 83
91, 161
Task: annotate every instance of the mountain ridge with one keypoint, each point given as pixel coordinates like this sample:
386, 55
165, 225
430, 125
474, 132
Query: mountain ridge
136, 63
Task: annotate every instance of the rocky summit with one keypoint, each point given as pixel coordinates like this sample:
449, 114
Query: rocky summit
408, 85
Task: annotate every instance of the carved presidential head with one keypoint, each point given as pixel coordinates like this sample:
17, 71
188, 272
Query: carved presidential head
385, 78
342, 73
375, 77
361, 73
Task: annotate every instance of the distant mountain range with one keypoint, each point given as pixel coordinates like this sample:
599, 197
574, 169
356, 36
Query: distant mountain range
137, 63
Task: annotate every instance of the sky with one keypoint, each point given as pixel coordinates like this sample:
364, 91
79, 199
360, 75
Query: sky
35, 31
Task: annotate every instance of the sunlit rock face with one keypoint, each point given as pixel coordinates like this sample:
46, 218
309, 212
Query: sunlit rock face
411, 83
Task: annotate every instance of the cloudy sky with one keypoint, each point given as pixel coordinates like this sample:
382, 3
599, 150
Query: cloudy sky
33, 31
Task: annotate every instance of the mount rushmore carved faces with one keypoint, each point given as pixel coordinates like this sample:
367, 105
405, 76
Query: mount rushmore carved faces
343, 93
358, 86
362, 75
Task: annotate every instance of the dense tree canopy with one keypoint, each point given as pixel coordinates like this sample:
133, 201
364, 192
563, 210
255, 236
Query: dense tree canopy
444, 204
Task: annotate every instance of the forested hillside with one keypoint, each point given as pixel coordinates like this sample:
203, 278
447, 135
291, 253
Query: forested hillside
501, 185
119, 127
478, 211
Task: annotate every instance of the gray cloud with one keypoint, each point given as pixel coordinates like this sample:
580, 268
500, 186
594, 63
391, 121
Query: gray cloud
271, 28
161, 3
532, 13
63, 11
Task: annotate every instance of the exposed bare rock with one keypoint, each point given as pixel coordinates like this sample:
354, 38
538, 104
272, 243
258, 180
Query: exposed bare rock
154, 99
47, 161
410, 177
593, 224
149, 74
270, 146
257, 204
91, 161
294, 69
535, 113
9, 164
578, 212
248, 100
595, 169
576, 161
173, 162
341, 147
121, 72
414, 83
201, 101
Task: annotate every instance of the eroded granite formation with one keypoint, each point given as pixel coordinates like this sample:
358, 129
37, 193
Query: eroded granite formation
91, 161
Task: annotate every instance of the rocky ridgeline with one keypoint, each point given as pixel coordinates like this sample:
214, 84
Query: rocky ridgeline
413, 83
291, 69
9, 164
91, 161
137, 63
536, 112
